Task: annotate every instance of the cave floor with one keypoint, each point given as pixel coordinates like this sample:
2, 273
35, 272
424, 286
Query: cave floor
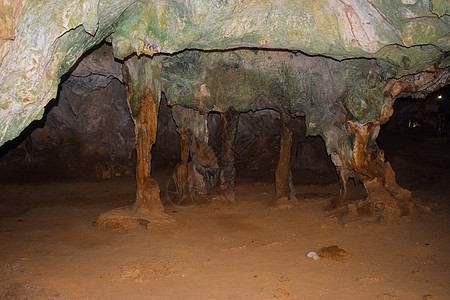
50, 249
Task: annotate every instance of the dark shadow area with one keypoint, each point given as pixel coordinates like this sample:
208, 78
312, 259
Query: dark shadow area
86, 132
16, 159
415, 141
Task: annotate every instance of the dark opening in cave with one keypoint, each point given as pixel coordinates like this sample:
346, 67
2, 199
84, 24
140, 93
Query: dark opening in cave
416, 139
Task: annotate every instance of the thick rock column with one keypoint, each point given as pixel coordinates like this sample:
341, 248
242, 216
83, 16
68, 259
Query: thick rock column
147, 196
230, 120
386, 201
142, 76
284, 186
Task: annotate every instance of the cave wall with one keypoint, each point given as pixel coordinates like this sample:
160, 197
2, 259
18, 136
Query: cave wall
88, 135
257, 149
94, 132
166, 151
87, 131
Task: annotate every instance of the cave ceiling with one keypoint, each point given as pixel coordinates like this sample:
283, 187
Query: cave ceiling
338, 58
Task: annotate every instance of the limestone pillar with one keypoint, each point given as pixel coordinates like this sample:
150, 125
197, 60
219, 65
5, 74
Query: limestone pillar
142, 76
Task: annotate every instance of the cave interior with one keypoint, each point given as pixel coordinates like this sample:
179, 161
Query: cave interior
197, 112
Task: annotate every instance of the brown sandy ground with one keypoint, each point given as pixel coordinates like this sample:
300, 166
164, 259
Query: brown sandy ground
50, 249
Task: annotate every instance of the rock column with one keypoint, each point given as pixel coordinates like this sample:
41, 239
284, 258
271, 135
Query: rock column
361, 159
142, 76
230, 120
386, 199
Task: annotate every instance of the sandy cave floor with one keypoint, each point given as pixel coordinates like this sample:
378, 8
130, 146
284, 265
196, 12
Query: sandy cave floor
50, 249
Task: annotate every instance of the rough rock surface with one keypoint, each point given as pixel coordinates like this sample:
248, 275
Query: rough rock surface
87, 132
